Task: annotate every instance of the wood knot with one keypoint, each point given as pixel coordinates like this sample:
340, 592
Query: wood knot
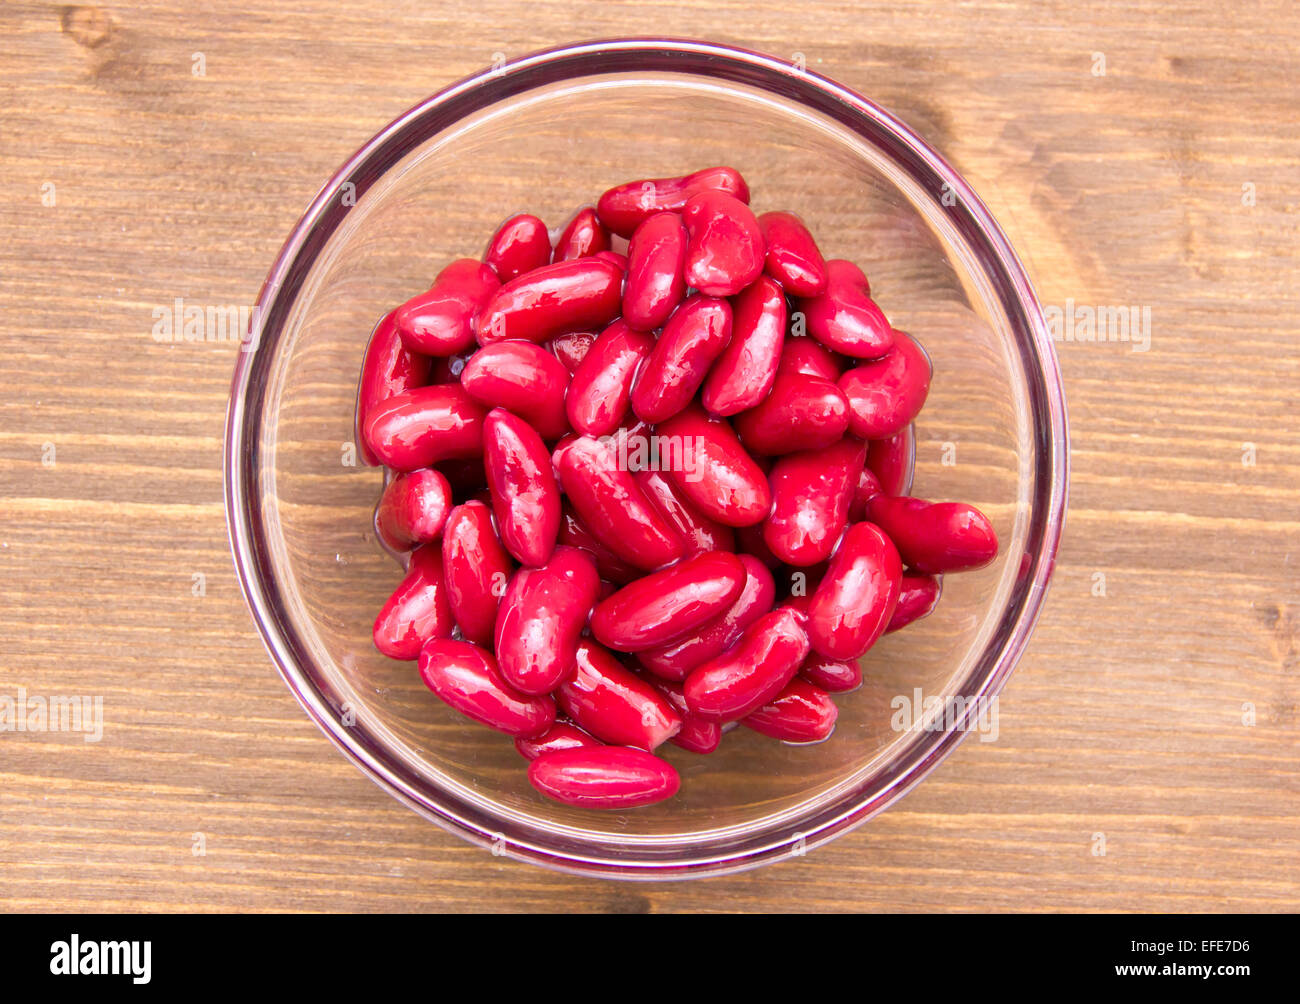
89, 27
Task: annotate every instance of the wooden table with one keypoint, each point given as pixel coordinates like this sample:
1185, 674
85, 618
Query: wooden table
1142, 155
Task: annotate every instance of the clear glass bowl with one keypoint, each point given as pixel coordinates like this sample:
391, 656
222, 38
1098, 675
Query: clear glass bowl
546, 134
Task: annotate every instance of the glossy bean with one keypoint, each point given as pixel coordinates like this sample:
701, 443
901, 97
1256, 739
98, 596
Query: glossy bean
655, 259
417, 610
867, 488
613, 256
715, 472
791, 256
524, 492
855, 600
670, 604
802, 413
524, 378
607, 499
520, 245
810, 357
752, 672
613, 703
476, 569
625, 207
936, 537
560, 736
675, 661
802, 713
885, 395
413, 509
743, 375
388, 369
917, 598
724, 246
693, 338
420, 427
892, 461
604, 777
836, 676
699, 533
811, 494
467, 678
697, 735
582, 236
542, 615
601, 388
844, 317
576, 295
574, 533
571, 348
440, 321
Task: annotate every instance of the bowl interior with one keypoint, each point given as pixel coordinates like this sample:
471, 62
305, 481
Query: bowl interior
550, 150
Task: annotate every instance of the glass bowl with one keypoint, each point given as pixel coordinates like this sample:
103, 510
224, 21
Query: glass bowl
546, 134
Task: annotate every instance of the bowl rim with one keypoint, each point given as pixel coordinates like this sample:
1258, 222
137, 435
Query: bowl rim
573, 61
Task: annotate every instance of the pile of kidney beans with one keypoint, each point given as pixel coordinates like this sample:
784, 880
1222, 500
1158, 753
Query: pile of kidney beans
642, 497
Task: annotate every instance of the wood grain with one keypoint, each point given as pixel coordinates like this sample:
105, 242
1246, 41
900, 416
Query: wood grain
1125, 717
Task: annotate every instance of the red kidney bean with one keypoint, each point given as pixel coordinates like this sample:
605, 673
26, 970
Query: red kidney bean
867, 488
917, 598
625, 207
724, 246
422, 426
752, 672
604, 777
892, 460
936, 537
417, 610
560, 736
613, 703
844, 317
744, 373
837, 676
792, 257
801, 713
749, 539
476, 569
655, 259
613, 256
697, 735
698, 532
613, 507
715, 472
525, 496
468, 679
413, 509
440, 321
575, 295
520, 245
692, 339
854, 601
524, 378
887, 394
542, 615
668, 605
389, 369
810, 357
811, 492
571, 348
675, 661
582, 237
574, 533
601, 387
802, 413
